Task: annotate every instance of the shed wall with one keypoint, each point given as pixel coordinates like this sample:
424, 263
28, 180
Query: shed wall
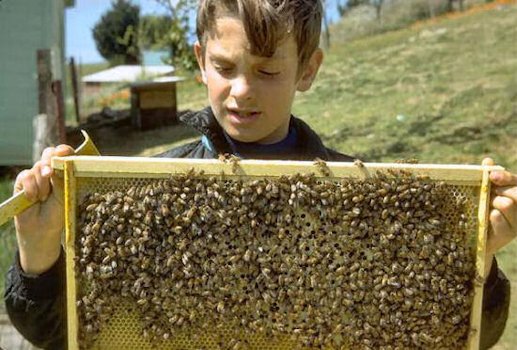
25, 27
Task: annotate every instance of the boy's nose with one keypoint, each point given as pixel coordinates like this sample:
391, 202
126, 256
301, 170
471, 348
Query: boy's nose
240, 88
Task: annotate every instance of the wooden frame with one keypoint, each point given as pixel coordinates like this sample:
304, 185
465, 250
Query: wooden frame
121, 167
93, 166
70, 223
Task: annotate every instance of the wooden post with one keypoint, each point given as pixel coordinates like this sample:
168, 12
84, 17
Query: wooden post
46, 99
50, 103
41, 123
75, 90
40, 128
57, 89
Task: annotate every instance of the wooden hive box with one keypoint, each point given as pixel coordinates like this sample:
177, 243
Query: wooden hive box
154, 103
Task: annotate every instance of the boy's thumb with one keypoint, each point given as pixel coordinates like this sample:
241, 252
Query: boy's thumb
488, 161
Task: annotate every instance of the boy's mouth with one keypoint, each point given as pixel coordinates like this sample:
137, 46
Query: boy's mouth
238, 116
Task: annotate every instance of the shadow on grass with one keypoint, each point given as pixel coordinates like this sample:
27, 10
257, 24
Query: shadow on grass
124, 140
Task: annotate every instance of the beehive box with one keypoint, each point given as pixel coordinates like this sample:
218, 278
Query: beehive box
205, 254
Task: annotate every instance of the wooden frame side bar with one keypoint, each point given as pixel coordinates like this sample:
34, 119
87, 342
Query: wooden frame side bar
70, 225
479, 280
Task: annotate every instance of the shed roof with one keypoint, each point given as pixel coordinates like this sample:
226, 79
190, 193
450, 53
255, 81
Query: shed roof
127, 73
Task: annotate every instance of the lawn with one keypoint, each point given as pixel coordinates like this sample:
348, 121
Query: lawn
442, 92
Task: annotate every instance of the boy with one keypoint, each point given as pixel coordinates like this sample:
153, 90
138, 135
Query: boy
254, 55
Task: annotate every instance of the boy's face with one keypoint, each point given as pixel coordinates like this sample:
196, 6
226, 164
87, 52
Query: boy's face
251, 96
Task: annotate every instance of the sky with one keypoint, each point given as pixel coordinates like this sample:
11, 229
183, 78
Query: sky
81, 18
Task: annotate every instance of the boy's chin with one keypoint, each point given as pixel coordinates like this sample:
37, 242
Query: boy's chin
244, 138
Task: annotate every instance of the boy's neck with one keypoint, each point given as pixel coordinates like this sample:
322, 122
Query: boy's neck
259, 150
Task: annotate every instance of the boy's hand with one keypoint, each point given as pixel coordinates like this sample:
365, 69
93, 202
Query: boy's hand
503, 215
38, 229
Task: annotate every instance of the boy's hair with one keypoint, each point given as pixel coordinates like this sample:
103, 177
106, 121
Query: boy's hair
267, 23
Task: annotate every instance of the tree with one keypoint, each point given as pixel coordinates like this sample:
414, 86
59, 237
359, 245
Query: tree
378, 7
153, 32
116, 33
179, 33
451, 6
344, 7
341, 7
354, 3
326, 30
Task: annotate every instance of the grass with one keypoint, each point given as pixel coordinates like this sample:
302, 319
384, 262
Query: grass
445, 93
442, 91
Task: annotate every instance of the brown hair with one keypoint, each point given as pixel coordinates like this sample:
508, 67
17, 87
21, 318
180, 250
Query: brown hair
267, 22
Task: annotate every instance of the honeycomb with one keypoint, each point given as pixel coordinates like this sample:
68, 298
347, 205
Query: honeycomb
306, 209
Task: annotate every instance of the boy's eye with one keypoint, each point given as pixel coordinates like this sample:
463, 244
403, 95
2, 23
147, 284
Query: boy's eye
223, 69
268, 73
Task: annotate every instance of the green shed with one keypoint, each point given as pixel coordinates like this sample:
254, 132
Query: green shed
25, 27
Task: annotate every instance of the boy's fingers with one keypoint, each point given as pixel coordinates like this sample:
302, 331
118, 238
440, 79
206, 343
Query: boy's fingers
42, 180
503, 178
64, 150
501, 234
18, 183
48, 153
58, 151
29, 185
507, 207
500, 178
507, 191
46, 156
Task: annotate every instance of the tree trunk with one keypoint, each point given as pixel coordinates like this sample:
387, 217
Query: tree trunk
75, 90
59, 100
378, 9
431, 8
326, 41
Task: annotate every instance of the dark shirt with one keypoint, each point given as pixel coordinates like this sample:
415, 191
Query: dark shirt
254, 150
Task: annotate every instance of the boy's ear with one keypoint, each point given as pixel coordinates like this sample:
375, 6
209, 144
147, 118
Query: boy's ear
198, 51
310, 70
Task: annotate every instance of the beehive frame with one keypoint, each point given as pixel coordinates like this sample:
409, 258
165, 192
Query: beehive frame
75, 168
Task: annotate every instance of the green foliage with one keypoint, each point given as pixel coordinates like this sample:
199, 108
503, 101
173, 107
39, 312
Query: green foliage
355, 3
154, 31
179, 33
345, 7
116, 33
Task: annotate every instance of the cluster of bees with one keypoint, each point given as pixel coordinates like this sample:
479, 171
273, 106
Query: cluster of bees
354, 264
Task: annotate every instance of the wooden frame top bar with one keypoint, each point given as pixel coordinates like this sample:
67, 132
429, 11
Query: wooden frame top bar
107, 166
